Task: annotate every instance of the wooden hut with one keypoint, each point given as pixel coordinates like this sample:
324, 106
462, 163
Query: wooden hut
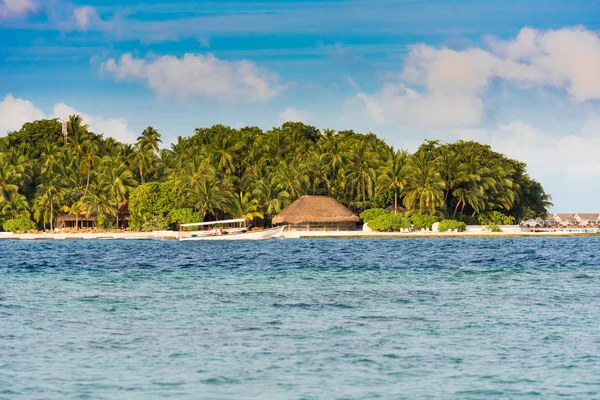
317, 213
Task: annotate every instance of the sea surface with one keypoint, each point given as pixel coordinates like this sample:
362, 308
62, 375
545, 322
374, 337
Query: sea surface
300, 319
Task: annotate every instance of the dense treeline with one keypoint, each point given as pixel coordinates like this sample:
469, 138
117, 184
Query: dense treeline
221, 171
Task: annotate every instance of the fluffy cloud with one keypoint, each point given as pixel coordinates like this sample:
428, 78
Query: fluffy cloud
10, 8
292, 115
454, 82
198, 75
15, 112
114, 127
84, 16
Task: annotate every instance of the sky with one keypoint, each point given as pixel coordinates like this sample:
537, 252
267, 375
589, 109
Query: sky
523, 77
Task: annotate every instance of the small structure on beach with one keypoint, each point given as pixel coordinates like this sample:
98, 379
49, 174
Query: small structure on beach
317, 213
84, 221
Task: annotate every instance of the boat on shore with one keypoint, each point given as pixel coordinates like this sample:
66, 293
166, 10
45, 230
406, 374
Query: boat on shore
229, 229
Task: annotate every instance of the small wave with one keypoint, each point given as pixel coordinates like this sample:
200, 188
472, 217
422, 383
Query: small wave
312, 306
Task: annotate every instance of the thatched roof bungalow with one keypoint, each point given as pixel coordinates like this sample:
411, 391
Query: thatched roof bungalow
317, 213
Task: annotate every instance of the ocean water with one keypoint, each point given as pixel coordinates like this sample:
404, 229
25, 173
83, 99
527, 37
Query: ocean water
292, 319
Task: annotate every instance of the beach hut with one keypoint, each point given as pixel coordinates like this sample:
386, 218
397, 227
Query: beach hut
317, 213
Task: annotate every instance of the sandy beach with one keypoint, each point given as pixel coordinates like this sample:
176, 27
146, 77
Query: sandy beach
172, 235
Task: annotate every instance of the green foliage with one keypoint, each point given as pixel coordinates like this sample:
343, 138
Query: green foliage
496, 218
389, 222
493, 228
372, 213
448, 225
21, 224
221, 172
179, 216
423, 221
150, 200
155, 223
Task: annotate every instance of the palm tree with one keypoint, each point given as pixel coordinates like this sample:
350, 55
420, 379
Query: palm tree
15, 207
270, 194
76, 209
51, 189
394, 174
10, 175
150, 138
209, 197
362, 172
424, 188
240, 206
223, 147
116, 179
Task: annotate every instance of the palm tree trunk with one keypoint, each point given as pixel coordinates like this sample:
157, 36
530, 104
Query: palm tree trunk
117, 208
51, 214
76, 221
395, 200
456, 210
87, 186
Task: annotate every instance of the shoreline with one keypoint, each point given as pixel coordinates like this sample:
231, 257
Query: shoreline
173, 235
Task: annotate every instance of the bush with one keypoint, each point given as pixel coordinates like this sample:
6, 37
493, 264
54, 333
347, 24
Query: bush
180, 216
21, 224
155, 223
493, 228
371, 214
496, 218
151, 199
452, 225
423, 221
389, 223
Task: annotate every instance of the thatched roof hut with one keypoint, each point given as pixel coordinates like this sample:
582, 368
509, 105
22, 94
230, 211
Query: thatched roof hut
317, 212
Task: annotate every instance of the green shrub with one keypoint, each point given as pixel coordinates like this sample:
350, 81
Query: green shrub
180, 216
423, 221
452, 225
493, 228
496, 218
389, 223
151, 199
155, 223
21, 224
369, 215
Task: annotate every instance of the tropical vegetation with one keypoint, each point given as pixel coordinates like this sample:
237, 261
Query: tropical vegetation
247, 172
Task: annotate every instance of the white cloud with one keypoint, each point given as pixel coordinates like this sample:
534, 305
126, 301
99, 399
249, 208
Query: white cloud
113, 127
10, 8
198, 75
15, 112
84, 16
292, 115
454, 82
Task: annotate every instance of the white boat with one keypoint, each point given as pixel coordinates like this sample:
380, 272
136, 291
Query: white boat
229, 229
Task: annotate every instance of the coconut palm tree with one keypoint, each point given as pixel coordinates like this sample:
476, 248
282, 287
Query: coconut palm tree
116, 180
394, 173
76, 209
424, 188
209, 197
241, 206
271, 196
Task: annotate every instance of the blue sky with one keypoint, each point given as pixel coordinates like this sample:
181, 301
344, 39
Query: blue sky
521, 76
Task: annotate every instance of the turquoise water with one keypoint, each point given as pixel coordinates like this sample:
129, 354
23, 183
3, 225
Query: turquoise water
422, 318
